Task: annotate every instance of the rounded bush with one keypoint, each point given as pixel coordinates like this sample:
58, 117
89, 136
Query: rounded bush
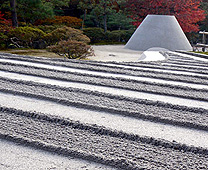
66, 33
27, 34
95, 34
71, 49
47, 28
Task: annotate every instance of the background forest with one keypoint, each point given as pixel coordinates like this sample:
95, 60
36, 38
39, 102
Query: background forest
42, 23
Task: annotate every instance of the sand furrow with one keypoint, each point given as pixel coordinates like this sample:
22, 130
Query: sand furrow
145, 109
97, 143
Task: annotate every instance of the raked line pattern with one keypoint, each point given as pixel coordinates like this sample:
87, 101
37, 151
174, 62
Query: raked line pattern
138, 95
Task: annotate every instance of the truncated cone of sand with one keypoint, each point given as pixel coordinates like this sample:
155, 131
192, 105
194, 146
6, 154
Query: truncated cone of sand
159, 31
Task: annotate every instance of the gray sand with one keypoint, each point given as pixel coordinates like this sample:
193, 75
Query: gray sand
94, 111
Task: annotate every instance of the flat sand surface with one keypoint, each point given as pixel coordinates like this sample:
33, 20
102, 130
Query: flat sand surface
114, 53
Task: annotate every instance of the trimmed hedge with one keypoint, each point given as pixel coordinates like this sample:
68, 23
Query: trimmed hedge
97, 35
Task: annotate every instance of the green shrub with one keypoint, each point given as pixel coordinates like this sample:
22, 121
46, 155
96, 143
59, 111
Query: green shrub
71, 49
66, 33
3, 37
48, 28
27, 35
118, 35
3, 40
95, 34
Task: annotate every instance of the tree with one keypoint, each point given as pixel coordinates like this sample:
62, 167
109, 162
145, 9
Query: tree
1, 17
101, 11
119, 21
14, 13
57, 5
204, 24
5, 25
105, 7
10, 5
187, 12
31, 10
86, 5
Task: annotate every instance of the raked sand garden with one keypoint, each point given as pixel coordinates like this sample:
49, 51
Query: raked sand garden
119, 109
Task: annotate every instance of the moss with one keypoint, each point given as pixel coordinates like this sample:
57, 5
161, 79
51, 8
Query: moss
31, 52
206, 53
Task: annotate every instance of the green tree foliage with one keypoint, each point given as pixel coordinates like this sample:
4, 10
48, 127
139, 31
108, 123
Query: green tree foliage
86, 5
99, 11
31, 10
57, 5
104, 8
119, 21
204, 24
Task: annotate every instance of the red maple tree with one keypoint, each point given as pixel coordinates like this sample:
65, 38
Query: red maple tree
187, 12
5, 25
1, 17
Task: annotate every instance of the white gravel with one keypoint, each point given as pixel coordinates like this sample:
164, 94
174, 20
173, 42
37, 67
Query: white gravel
18, 157
62, 68
190, 56
106, 74
113, 121
114, 91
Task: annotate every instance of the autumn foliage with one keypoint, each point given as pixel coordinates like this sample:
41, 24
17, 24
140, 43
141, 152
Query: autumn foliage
5, 25
71, 49
187, 12
61, 20
2, 19
66, 33
69, 42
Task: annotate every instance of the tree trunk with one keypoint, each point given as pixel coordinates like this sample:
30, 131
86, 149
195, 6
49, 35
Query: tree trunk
105, 18
83, 21
105, 22
14, 13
